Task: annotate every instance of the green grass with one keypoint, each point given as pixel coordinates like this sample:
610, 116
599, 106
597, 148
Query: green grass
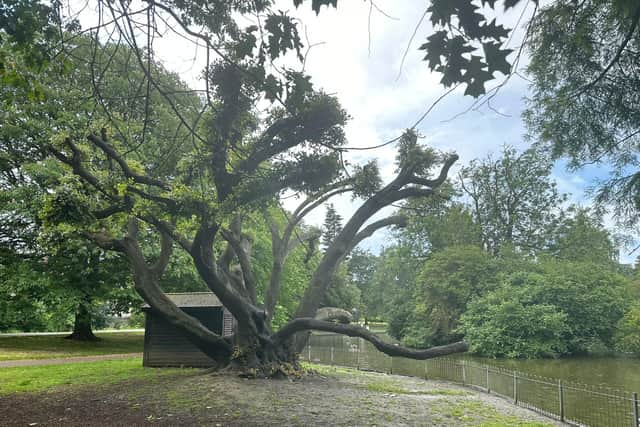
42, 378
484, 415
50, 346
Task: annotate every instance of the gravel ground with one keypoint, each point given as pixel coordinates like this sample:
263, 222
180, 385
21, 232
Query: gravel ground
328, 397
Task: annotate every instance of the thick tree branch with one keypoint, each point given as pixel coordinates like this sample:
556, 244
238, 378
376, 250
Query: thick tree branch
239, 245
166, 247
75, 162
444, 172
397, 220
111, 153
169, 229
306, 324
392, 192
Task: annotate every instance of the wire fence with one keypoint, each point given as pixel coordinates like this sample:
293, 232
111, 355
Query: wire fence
570, 402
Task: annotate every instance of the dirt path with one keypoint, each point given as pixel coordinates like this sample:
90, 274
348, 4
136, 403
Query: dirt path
335, 398
65, 360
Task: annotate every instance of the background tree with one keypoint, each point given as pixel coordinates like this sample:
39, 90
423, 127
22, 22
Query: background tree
332, 225
581, 237
361, 268
575, 308
585, 63
448, 281
437, 223
513, 200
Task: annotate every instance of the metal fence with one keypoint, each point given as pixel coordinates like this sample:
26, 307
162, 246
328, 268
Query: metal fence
570, 402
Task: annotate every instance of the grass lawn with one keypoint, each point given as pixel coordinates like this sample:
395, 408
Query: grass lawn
53, 346
42, 378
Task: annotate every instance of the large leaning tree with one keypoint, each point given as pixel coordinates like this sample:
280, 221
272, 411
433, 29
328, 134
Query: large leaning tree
261, 131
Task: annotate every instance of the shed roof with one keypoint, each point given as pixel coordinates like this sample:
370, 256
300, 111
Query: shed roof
193, 299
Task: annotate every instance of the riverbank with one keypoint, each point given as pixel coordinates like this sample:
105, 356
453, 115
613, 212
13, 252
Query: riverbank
329, 396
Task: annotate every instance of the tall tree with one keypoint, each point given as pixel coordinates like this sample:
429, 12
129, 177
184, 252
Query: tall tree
513, 199
437, 223
361, 267
581, 237
332, 225
236, 160
585, 68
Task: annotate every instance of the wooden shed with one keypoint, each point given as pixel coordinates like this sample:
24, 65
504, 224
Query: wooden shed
165, 345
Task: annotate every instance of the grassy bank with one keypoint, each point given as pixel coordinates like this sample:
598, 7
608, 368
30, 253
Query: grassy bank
43, 378
54, 346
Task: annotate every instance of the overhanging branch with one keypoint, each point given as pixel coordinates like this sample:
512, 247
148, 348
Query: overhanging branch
306, 324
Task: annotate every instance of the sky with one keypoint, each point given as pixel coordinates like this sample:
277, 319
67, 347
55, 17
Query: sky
356, 54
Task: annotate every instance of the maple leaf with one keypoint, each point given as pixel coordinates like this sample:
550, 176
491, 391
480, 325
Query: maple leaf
434, 47
441, 11
476, 76
491, 30
497, 58
469, 19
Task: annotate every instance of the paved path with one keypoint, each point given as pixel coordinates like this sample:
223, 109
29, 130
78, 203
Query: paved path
65, 360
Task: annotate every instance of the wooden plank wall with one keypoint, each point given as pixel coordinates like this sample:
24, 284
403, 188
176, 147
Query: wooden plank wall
165, 345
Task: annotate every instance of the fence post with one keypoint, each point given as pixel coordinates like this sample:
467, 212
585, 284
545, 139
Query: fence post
309, 351
515, 387
464, 374
636, 416
561, 398
358, 356
331, 354
426, 370
487, 370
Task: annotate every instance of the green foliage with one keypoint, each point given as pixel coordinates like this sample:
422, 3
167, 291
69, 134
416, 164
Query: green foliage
581, 237
332, 225
343, 293
455, 53
449, 280
514, 201
361, 267
437, 223
555, 308
393, 286
507, 323
585, 101
627, 337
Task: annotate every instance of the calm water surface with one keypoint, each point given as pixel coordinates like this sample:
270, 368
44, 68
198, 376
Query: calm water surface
615, 372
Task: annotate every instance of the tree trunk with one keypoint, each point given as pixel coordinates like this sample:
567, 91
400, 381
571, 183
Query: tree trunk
82, 324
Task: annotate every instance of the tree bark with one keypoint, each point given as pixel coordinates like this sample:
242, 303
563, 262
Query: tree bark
82, 324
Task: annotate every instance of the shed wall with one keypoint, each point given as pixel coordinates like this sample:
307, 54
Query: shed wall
165, 345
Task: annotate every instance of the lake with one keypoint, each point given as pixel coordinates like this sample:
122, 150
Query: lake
615, 372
